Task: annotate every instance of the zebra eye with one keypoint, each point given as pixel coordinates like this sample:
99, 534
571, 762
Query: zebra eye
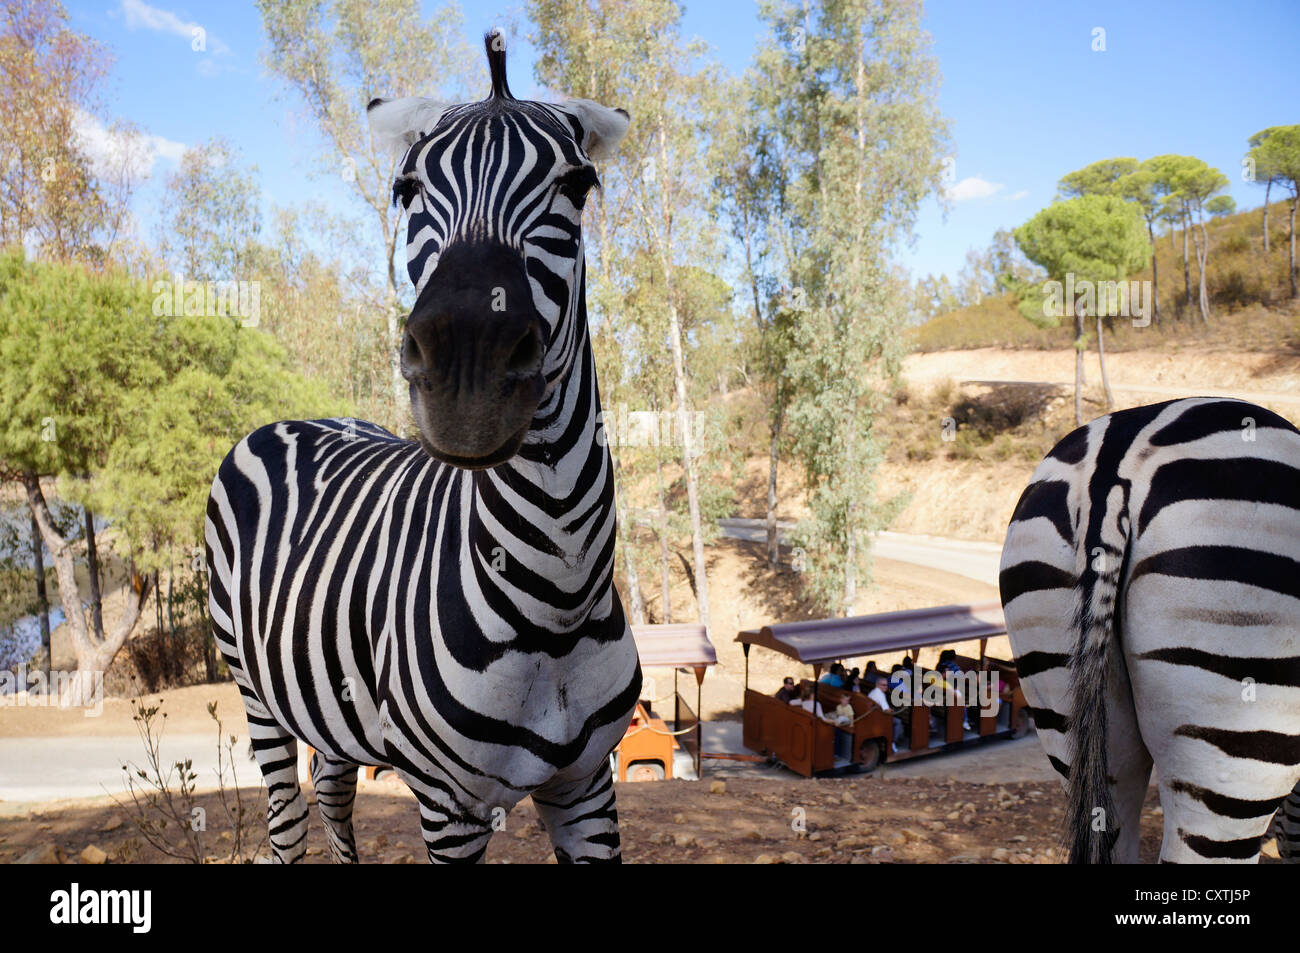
577, 185
404, 189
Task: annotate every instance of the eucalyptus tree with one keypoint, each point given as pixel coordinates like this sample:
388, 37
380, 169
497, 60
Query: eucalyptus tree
852, 88
634, 55
1276, 153
1080, 242
131, 413
335, 56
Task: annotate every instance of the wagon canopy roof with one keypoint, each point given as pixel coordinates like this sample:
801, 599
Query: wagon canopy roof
827, 640
684, 645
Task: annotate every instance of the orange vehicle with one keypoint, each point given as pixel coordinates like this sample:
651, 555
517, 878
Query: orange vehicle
920, 721
646, 751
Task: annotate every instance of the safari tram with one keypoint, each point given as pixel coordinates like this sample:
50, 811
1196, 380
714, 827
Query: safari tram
923, 717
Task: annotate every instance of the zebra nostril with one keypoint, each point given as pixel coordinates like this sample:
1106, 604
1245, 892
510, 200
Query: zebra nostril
412, 357
526, 359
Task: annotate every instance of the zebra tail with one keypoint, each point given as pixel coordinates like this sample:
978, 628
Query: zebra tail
1090, 814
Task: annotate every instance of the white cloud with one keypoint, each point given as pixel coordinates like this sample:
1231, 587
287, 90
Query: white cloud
1017, 196
112, 149
973, 187
140, 14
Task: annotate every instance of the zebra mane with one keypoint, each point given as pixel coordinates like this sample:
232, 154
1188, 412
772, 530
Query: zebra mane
495, 43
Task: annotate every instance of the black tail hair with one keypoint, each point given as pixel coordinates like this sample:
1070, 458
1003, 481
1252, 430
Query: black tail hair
494, 41
1091, 823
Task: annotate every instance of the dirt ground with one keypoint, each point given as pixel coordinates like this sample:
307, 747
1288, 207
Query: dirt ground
868, 819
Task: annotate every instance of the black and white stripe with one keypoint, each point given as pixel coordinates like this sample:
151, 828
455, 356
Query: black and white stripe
459, 624
1151, 583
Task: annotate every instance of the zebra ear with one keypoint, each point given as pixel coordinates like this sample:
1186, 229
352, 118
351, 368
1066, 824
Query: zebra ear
603, 127
398, 123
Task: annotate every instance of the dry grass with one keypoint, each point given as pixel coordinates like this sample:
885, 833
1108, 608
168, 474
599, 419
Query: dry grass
1249, 303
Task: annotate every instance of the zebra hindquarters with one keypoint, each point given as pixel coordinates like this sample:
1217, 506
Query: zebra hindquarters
1041, 562
1205, 629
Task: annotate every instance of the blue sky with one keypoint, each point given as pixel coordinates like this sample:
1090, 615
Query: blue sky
1028, 97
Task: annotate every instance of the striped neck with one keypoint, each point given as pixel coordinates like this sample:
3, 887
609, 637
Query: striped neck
557, 493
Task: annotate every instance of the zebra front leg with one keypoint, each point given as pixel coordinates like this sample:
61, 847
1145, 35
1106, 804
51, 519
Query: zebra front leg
582, 819
276, 752
453, 834
336, 793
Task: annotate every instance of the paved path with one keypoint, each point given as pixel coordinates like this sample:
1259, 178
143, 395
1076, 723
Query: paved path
973, 559
47, 769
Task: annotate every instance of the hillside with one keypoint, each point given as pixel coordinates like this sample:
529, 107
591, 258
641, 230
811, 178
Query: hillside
1248, 292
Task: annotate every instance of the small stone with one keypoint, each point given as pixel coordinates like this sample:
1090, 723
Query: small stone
882, 854
849, 798
893, 838
912, 834
113, 823
936, 825
1000, 853
679, 818
765, 859
1270, 849
1020, 838
44, 854
718, 787
381, 841
791, 857
684, 839
658, 837
402, 859
753, 835
314, 851
815, 836
953, 815
93, 855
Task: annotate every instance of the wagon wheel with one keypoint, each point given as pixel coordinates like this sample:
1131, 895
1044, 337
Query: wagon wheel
869, 755
1021, 727
645, 771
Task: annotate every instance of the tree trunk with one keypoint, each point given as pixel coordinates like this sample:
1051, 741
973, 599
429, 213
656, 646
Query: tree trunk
92, 567
93, 656
635, 603
1078, 363
665, 558
773, 536
1268, 187
1101, 358
210, 641
1155, 276
1187, 268
684, 416
850, 566
42, 597
1202, 244
1294, 202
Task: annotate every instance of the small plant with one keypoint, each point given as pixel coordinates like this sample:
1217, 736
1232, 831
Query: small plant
163, 805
